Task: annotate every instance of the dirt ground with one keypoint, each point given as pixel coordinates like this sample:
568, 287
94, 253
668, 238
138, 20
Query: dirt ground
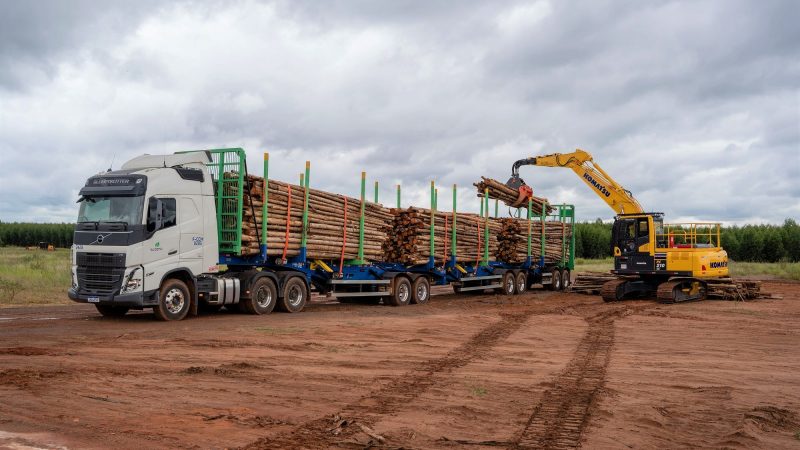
542, 370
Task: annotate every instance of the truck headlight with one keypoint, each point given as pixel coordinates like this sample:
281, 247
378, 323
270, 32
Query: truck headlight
132, 282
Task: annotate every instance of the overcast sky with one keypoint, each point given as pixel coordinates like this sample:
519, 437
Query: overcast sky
694, 106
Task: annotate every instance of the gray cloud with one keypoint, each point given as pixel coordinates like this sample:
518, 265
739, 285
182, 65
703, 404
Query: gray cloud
694, 106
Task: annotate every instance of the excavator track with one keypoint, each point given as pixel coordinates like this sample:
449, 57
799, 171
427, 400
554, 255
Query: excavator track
675, 291
610, 290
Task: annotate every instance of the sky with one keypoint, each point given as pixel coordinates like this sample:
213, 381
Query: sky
694, 106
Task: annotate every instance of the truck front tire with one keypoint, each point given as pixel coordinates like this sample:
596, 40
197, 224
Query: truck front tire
174, 301
295, 296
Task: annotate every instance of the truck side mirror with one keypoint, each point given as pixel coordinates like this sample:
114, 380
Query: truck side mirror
155, 215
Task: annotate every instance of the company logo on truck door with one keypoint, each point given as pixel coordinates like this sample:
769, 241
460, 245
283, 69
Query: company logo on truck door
596, 185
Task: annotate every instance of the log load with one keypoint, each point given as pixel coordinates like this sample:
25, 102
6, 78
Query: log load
408, 237
510, 197
329, 236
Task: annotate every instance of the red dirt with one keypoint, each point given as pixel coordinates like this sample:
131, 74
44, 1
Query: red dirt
541, 370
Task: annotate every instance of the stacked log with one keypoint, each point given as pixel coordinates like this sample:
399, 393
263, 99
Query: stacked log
734, 289
509, 241
590, 283
510, 197
329, 236
408, 236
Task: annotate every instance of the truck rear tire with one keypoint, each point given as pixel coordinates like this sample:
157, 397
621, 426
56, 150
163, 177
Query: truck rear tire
421, 291
401, 294
522, 282
263, 296
507, 284
566, 281
112, 311
295, 296
174, 301
555, 284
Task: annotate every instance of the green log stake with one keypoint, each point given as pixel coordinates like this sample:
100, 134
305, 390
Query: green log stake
453, 233
398, 196
264, 214
530, 226
486, 230
433, 217
361, 220
304, 183
376, 191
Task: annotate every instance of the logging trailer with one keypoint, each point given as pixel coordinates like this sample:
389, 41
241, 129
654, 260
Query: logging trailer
675, 261
165, 232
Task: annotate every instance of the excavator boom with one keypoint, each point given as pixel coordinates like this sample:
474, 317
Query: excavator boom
618, 198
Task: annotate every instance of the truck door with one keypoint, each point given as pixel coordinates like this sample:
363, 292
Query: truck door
160, 252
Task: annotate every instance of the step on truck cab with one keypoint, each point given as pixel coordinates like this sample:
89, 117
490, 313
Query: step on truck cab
148, 236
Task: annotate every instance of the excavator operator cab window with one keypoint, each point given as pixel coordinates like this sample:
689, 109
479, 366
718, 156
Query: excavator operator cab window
643, 229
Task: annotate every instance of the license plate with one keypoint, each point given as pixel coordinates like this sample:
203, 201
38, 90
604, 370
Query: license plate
94, 299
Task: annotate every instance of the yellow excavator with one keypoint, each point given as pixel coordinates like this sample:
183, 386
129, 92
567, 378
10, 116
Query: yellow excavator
672, 260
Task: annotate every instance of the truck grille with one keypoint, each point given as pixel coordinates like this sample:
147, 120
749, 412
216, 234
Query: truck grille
100, 273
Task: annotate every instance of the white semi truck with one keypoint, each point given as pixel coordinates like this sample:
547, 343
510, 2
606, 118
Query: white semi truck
147, 236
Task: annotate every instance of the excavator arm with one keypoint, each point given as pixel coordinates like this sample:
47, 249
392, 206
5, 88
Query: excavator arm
618, 198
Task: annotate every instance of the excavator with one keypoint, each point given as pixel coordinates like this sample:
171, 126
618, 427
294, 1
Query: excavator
674, 261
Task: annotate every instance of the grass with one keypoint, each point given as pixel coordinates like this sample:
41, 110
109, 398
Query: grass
781, 270
478, 391
594, 265
34, 276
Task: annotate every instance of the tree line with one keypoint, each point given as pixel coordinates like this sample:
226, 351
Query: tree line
752, 243
31, 234
757, 243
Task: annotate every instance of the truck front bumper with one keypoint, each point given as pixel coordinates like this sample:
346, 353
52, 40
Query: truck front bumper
135, 300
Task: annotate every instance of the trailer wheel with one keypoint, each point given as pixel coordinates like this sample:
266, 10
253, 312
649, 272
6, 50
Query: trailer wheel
112, 311
421, 291
555, 284
263, 296
173, 301
566, 281
507, 284
522, 282
401, 294
295, 296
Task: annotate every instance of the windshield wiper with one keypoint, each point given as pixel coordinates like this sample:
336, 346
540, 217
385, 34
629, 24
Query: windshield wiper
125, 224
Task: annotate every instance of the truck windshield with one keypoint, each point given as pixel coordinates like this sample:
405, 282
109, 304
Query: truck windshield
111, 209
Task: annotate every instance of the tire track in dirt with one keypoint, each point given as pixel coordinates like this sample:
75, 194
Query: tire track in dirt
560, 417
334, 430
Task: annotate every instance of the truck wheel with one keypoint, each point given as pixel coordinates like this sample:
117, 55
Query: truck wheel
507, 284
112, 311
295, 296
566, 281
421, 291
263, 296
173, 301
401, 294
555, 285
522, 282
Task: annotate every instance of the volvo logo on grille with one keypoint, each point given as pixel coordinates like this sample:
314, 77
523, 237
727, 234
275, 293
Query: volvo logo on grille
100, 239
